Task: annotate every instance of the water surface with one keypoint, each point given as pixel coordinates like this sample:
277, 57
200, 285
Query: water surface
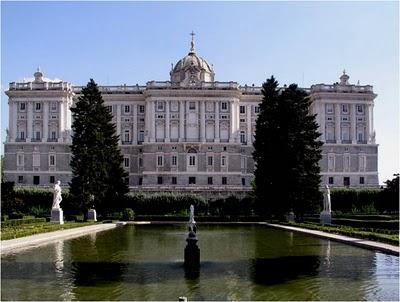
249, 262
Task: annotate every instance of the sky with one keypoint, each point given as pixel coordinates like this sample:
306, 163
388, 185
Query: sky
134, 42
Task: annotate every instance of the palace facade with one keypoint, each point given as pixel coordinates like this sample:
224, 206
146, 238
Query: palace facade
190, 133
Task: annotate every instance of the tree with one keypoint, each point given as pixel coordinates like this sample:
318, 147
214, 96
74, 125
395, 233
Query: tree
286, 152
96, 158
390, 195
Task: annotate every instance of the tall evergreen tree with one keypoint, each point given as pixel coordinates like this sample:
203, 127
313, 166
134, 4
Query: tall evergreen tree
96, 158
286, 152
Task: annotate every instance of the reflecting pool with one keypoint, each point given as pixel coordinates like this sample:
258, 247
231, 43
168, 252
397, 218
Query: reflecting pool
250, 262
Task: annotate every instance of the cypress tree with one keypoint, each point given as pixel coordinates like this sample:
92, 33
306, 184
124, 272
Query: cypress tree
286, 152
96, 158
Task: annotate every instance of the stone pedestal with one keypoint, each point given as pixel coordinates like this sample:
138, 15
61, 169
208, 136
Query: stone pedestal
92, 216
290, 217
325, 218
57, 216
192, 252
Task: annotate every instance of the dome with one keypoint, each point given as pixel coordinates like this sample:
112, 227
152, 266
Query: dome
192, 69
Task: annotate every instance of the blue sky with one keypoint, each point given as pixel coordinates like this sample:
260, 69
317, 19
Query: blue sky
135, 42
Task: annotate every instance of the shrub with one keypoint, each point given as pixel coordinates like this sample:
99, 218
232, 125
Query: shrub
128, 214
39, 211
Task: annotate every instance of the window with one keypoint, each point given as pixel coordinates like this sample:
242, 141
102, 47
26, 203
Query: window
127, 136
224, 106
192, 160
256, 109
209, 160
329, 108
22, 134
159, 180
36, 160
361, 180
173, 180
127, 108
243, 181
52, 160
192, 105
37, 135
209, 148
159, 148
242, 137
141, 109
20, 179
243, 162
224, 148
53, 106
36, 180
331, 162
174, 160
140, 162
173, 147
140, 181
53, 135
52, 179
141, 136
242, 109
242, 120
224, 117
109, 108
126, 162
330, 180
22, 106
346, 181
209, 180
224, 181
345, 108
38, 106
126, 180
223, 160
192, 180
20, 160
160, 106
360, 108
159, 160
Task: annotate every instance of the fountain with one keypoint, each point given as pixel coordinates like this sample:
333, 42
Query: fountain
192, 251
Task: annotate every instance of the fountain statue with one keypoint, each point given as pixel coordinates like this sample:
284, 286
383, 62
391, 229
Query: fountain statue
192, 251
326, 216
56, 211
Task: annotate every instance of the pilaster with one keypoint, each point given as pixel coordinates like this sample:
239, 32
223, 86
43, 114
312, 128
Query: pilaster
353, 124
248, 120
167, 136
216, 135
202, 122
135, 128
45, 121
181, 121
118, 121
337, 124
29, 121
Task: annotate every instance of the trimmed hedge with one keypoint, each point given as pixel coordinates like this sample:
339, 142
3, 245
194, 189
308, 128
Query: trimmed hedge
13, 222
373, 224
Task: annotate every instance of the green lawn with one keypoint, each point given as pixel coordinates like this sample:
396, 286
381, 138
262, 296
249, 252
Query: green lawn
386, 236
11, 232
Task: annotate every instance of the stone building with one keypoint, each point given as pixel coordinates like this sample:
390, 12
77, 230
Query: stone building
189, 133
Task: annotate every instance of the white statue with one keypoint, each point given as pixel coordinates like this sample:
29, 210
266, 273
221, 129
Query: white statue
57, 195
327, 200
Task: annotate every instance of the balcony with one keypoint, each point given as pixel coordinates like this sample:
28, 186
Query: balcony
52, 139
330, 141
126, 142
362, 142
36, 140
20, 140
346, 141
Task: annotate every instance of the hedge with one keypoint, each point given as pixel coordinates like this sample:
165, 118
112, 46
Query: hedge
13, 222
373, 224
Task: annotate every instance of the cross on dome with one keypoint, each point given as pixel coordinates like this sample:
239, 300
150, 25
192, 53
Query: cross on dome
192, 50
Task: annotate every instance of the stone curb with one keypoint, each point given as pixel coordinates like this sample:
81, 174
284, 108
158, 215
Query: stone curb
365, 243
14, 245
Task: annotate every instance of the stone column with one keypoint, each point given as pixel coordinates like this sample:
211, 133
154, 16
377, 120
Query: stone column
13, 118
337, 124
353, 124
372, 123
321, 114
118, 122
29, 122
232, 120
181, 121
45, 121
216, 135
61, 122
152, 122
202, 122
147, 121
368, 123
135, 127
167, 136
248, 120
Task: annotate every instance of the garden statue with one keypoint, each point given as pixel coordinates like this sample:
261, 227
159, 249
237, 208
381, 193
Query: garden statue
56, 212
326, 216
57, 195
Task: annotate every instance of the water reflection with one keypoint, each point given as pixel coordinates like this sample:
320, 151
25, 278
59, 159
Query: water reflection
238, 263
